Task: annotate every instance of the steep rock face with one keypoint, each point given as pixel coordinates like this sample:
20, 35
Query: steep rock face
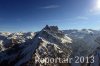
34, 49
53, 44
49, 42
83, 41
12, 46
96, 54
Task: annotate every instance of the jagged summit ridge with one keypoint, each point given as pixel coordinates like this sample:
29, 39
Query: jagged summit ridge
50, 42
51, 28
53, 44
46, 39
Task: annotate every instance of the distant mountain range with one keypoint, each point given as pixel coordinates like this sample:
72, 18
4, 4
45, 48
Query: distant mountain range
23, 49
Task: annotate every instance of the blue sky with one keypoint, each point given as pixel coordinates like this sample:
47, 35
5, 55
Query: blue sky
33, 15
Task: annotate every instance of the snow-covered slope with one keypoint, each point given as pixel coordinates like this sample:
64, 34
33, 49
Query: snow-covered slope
49, 42
84, 40
81, 33
23, 49
96, 54
53, 44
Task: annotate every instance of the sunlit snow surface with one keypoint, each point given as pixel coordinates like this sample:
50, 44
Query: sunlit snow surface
51, 42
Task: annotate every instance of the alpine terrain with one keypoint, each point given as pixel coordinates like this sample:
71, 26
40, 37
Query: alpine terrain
50, 47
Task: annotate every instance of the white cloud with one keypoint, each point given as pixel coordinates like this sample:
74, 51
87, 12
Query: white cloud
50, 6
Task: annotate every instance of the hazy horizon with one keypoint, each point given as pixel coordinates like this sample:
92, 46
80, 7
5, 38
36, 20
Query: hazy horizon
51, 25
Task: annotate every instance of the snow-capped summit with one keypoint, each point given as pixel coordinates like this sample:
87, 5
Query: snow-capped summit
52, 42
49, 42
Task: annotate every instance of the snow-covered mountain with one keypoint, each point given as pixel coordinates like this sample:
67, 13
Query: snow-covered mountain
7, 39
83, 38
49, 42
86, 42
26, 49
81, 33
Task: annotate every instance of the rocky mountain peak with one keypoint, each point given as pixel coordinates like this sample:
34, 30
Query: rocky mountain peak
49, 42
52, 28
